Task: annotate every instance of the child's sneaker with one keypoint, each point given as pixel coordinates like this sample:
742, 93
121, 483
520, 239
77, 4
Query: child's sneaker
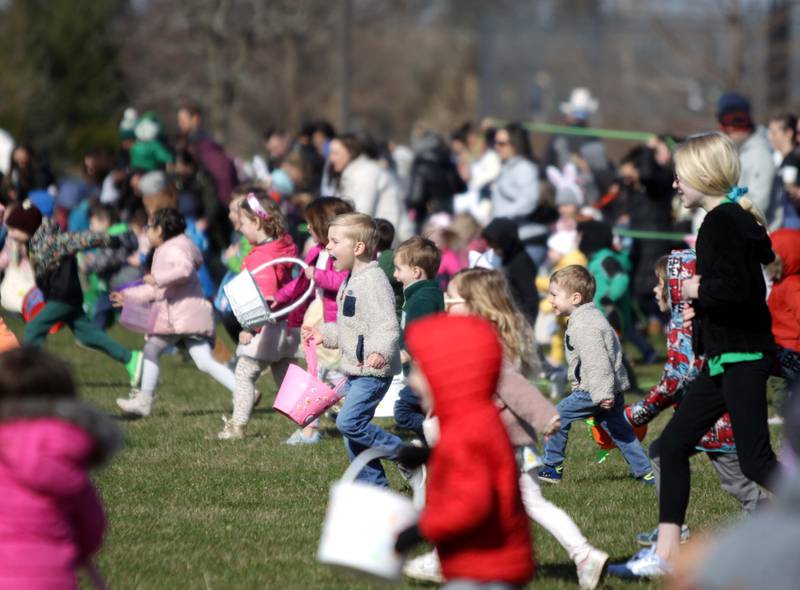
649, 539
137, 403
648, 479
551, 474
298, 438
134, 367
591, 569
231, 431
425, 567
645, 564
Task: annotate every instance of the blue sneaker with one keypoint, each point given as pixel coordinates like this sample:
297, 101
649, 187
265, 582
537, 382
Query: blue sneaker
645, 564
648, 479
551, 474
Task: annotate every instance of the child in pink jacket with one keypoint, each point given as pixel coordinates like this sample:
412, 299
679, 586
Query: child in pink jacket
274, 344
318, 215
183, 314
51, 518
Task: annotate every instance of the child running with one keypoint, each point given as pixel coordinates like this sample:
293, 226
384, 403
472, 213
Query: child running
732, 328
51, 517
52, 255
274, 344
473, 514
318, 215
184, 315
416, 262
594, 359
681, 368
525, 412
367, 333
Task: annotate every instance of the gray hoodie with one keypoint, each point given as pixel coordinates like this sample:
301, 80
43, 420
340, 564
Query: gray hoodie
594, 355
365, 323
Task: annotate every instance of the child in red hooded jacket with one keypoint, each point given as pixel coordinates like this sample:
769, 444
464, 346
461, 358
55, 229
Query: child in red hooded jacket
473, 513
784, 301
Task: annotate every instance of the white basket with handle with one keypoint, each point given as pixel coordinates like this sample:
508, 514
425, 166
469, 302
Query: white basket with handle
362, 524
247, 302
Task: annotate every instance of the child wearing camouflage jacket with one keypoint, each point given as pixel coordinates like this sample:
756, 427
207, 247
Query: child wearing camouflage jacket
53, 257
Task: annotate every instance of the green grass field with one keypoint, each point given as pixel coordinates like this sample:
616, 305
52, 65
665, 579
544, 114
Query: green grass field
189, 511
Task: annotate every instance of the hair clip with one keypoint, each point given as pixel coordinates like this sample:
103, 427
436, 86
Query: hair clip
257, 208
736, 193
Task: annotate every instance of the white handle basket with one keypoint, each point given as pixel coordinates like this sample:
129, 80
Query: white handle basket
247, 303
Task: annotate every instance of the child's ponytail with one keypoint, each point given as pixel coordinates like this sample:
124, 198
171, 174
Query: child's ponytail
736, 194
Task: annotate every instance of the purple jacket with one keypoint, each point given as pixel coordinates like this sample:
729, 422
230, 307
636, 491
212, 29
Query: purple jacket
51, 518
219, 165
329, 280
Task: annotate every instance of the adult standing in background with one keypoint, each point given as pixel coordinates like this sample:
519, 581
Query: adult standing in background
758, 169
516, 192
208, 152
783, 137
360, 179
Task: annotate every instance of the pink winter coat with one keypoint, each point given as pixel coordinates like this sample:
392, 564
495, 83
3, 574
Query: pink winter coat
177, 295
327, 279
51, 518
272, 278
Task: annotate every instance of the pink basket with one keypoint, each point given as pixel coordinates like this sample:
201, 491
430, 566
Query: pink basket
139, 316
302, 397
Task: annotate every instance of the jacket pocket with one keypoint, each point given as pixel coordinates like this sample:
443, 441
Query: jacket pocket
349, 306
360, 350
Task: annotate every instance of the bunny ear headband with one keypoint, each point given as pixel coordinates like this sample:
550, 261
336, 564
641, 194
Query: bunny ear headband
256, 206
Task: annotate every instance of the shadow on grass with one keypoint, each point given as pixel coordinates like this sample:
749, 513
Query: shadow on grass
557, 571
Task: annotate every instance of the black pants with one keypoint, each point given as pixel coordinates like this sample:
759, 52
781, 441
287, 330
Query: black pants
742, 391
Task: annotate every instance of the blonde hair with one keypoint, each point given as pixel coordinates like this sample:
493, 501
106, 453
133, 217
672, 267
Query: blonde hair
487, 294
359, 228
709, 163
575, 279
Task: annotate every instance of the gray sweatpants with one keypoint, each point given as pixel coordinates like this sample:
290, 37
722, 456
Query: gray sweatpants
731, 478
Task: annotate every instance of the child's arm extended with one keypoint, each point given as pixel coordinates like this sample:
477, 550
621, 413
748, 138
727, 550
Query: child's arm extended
524, 399
664, 394
69, 244
596, 365
329, 279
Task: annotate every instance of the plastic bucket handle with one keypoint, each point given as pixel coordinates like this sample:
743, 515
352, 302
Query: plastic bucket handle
361, 461
291, 307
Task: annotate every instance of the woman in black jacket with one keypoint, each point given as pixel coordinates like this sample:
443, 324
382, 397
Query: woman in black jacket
732, 329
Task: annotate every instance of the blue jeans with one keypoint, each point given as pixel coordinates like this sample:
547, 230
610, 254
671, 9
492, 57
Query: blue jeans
408, 412
362, 396
579, 405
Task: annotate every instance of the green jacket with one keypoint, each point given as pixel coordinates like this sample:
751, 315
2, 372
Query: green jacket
610, 270
421, 298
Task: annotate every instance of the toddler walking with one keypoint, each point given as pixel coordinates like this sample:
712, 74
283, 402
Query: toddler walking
367, 332
274, 344
594, 358
183, 314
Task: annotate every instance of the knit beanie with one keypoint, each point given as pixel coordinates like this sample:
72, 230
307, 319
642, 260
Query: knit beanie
27, 219
460, 357
733, 110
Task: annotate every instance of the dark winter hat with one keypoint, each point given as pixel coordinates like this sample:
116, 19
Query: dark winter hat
24, 219
733, 110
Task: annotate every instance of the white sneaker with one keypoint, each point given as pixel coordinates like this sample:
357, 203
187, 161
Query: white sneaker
645, 564
231, 431
425, 567
591, 569
137, 403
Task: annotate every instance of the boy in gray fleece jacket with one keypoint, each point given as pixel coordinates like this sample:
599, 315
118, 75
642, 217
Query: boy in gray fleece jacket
595, 371
367, 333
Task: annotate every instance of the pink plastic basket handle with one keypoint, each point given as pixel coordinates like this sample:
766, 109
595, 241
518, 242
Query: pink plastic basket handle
310, 348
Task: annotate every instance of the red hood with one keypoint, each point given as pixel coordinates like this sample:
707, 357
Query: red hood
786, 243
460, 357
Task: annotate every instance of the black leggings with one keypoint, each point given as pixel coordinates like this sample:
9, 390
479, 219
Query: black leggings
742, 391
